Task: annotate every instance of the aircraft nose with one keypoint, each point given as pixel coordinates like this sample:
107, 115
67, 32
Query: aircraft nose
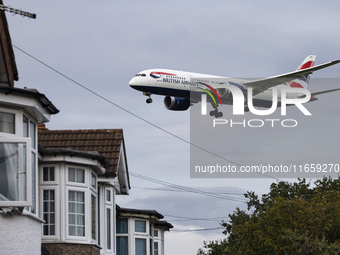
133, 82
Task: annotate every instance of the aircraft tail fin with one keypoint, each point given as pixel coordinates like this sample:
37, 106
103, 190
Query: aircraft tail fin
303, 81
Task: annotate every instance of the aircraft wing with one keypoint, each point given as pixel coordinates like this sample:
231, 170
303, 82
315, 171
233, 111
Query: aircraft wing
266, 83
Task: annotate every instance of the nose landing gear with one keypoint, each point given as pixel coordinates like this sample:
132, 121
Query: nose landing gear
148, 94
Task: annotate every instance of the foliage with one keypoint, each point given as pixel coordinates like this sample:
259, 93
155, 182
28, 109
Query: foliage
292, 218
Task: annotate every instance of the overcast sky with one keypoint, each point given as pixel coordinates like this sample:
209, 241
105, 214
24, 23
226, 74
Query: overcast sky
103, 44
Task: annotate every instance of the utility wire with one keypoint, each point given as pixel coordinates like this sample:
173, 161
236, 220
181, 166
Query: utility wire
173, 190
181, 218
131, 113
193, 230
187, 189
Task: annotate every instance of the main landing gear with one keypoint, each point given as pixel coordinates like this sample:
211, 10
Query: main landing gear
216, 113
149, 100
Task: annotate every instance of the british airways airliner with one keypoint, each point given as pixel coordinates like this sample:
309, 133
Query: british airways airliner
182, 89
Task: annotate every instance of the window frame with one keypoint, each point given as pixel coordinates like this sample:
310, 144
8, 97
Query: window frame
87, 218
32, 133
28, 191
154, 250
146, 243
56, 211
109, 227
94, 240
77, 184
146, 227
49, 168
17, 121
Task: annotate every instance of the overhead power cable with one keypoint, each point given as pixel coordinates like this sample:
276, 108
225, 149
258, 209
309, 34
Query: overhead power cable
181, 218
194, 230
131, 113
187, 189
174, 190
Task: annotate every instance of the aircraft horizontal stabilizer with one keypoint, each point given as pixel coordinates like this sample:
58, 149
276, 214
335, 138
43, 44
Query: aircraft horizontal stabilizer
324, 92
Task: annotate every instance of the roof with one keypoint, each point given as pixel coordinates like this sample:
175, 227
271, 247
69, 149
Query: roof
94, 155
31, 93
121, 210
8, 68
107, 142
132, 212
163, 225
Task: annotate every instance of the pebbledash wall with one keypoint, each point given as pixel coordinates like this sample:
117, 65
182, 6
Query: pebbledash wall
17, 233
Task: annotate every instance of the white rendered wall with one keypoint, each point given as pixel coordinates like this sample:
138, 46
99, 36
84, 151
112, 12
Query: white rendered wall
20, 234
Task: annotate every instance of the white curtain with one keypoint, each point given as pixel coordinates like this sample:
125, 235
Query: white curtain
12, 171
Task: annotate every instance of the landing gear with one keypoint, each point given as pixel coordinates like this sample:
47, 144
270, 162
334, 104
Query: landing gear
149, 100
216, 113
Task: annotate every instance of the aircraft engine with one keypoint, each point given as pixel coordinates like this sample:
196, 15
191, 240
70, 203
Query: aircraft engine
176, 103
223, 92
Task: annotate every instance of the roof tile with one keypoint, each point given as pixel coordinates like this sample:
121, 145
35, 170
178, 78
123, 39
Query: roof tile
107, 142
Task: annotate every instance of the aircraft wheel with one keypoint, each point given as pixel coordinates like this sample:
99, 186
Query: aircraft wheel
149, 101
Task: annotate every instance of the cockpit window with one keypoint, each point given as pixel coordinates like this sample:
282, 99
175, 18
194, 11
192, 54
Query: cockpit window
140, 74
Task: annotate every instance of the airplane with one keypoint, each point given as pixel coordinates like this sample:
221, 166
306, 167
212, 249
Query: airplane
183, 89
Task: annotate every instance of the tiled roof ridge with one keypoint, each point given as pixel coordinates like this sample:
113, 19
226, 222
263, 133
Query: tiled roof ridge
112, 130
107, 142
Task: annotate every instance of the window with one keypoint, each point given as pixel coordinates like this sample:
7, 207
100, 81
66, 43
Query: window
48, 174
155, 248
15, 172
140, 226
76, 213
122, 226
108, 195
49, 212
93, 181
76, 175
155, 233
108, 229
7, 122
29, 130
94, 217
122, 236
140, 246
122, 245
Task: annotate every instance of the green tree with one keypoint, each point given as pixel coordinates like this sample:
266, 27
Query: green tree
292, 218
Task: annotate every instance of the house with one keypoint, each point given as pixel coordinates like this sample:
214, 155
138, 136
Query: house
81, 173
58, 187
140, 232
21, 110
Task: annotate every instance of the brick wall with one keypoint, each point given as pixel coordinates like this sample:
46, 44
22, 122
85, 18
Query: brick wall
69, 249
